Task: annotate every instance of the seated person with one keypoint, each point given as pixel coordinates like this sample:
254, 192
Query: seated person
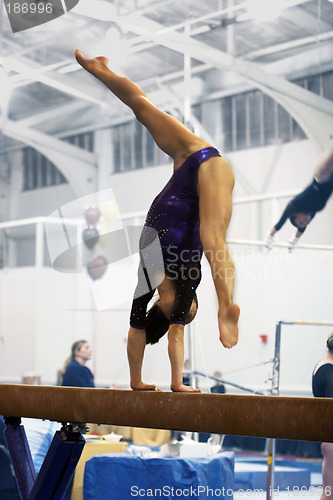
219, 387
74, 372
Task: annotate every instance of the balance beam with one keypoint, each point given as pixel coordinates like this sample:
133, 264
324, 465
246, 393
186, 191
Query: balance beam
309, 419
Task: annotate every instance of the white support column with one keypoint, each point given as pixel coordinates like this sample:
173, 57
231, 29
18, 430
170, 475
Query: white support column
16, 183
104, 154
15, 189
230, 32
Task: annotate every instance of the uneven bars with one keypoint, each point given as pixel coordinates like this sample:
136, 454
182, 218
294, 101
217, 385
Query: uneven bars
43, 220
239, 201
276, 378
264, 197
259, 243
218, 379
78, 222
301, 322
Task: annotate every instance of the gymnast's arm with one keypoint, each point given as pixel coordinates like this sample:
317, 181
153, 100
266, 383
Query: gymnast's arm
215, 185
170, 135
285, 215
142, 296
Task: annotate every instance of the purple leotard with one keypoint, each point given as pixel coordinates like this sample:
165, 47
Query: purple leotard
170, 240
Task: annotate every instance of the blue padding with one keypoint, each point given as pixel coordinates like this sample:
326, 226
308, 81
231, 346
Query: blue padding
115, 476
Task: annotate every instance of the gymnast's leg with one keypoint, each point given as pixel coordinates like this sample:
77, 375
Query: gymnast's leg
324, 169
170, 135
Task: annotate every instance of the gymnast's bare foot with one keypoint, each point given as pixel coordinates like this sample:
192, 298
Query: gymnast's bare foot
183, 388
94, 66
228, 326
140, 386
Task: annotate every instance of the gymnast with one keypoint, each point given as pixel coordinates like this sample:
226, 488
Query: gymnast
189, 217
302, 209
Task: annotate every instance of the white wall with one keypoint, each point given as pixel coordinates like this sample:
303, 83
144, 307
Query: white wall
43, 311
39, 320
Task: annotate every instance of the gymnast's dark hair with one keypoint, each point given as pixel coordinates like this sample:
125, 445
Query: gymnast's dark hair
329, 343
292, 219
157, 324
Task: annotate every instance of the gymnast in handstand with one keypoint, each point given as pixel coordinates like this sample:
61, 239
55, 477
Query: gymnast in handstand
302, 209
189, 217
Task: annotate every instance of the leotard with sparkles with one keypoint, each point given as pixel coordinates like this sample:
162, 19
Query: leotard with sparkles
170, 241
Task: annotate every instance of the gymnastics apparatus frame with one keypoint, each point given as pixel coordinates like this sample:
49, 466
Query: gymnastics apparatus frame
275, 390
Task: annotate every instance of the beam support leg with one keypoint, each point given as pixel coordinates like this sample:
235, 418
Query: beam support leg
20, 455
59, 465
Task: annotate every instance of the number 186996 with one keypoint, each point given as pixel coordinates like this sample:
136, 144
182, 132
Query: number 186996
29, 8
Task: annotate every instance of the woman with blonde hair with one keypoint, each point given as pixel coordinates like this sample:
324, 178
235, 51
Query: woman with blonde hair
74, 372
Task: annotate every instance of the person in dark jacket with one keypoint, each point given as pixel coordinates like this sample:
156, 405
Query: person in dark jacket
74, 372
322, 387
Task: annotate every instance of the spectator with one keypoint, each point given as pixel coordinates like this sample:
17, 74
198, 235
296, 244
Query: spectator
322, 387
74, 372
